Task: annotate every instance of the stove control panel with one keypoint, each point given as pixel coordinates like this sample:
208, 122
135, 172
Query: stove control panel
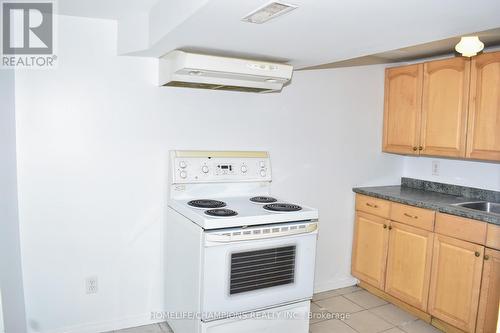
219, 166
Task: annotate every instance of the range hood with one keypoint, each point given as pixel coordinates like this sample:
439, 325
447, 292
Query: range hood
191, 70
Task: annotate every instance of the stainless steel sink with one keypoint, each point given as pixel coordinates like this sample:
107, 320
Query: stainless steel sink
484, 206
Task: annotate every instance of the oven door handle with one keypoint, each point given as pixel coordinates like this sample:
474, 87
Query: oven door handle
229, 238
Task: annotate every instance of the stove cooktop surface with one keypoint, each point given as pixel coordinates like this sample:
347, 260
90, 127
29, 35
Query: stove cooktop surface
241, 211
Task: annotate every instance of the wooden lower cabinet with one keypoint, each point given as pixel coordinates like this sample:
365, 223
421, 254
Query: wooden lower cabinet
487, 318
455, 282
409, 264
369, 252
441, 271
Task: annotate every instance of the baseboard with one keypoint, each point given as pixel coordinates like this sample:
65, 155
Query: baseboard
335, 284
445, 327
105, 326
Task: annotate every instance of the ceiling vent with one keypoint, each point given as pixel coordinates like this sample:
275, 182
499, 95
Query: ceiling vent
191, 70
268, 12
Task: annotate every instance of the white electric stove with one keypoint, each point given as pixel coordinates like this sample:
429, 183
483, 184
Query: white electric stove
236, 257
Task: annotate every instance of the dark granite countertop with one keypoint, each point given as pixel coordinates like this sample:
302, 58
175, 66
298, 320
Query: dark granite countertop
436, 196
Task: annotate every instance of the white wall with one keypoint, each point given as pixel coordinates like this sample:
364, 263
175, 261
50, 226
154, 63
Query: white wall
467, 173
93, 137
11, 286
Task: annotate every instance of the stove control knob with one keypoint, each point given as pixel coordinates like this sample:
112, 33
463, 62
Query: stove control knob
183, 174
182, 164
262, 173
244, 168
204, 169
262, 164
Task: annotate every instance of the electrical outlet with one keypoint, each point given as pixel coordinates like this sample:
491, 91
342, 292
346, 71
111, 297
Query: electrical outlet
91, 285
435, 168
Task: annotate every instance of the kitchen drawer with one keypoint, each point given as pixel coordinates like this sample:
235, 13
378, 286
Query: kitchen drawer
373, 206
414, 216
493, 236
461, 228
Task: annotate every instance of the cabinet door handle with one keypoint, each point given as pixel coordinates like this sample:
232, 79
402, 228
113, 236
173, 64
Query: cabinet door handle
411, 216
486, 257
385, 226
371, 205
477, 254
420, 148
390, 227
415, 148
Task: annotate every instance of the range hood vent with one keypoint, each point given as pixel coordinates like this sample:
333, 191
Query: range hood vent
191, 70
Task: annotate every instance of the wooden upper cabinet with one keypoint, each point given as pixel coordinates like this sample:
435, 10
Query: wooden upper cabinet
483, 141
402, 109
444, 107
409, 264
487, 317
369, 249
447, 108
455, 281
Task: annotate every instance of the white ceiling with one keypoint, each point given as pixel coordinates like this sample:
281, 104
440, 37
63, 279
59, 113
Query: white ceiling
318, 32
439, 48
106, 9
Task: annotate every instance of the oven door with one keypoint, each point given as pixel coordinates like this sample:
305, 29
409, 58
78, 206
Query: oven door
257, 268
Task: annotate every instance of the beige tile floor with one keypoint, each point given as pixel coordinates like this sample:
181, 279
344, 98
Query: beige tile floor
346, 310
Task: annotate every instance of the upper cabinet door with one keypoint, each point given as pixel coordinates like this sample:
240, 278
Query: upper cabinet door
402, 110
444, 107
483, 139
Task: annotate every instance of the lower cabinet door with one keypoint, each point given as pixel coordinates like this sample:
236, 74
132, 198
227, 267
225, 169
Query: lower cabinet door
487, 317
455, 282
409, 262
369, 251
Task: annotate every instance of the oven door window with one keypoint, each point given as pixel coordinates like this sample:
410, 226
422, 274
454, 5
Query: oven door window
260, 269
